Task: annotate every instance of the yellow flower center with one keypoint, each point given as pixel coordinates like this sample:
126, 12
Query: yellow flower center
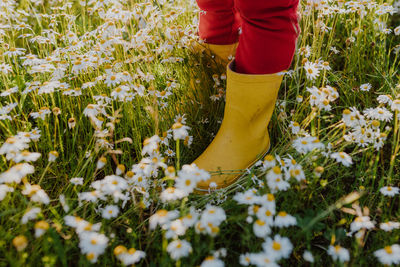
119, 250
276, 245
269, 158
388, 249
282, 214
270, 197
162, 213
260, 222
277, 170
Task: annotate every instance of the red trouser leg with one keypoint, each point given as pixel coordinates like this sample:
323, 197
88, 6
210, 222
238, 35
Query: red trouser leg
269, 34
219, 22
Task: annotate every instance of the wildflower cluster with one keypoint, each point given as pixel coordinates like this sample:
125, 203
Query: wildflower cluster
103, 104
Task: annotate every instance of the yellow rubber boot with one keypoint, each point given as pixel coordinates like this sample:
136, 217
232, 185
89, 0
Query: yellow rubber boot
243, 136
222, 54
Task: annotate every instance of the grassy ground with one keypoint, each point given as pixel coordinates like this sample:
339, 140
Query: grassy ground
73, 55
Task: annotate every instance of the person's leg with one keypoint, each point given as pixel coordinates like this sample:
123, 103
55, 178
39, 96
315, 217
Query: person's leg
266, 47
269, 34
217, 23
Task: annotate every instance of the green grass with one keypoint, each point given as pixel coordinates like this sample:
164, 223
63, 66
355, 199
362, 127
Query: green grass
317, 203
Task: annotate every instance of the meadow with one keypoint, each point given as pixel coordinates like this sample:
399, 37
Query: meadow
104, 105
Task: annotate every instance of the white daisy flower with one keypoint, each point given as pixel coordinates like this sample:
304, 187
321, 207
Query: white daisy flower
278, 248
16, 173
180, 131
388, 255
395, 106
5, 68
379, 113
179, 248
185, 183
27, 156
128, 256
262, 259
352, 117
92, 244
40, 228
191, 218
389, 226
30, 214
53, 155
113, 79
389, 191
274, 174
110, 211
307, 256
397, 30
334, 50
295, 127
101, 162
76, 181
81, 225
312, 70
261, 228
63, 203
339, 253
365, 87
245, 259
213, 214
307, 144
266, 214
248, 197
150, 145
36, 193
43, 111
174, 229
282, 219
361, 222
171, 194
13, 145
268, 162
296, 171
277, 184
342, 157
162, 217
92, 196
267, 201
212, 261
4, 189
384, 99
20, 242
13, 51
299, 99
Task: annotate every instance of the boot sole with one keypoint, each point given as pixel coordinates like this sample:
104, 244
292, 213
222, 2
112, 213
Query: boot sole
200, 191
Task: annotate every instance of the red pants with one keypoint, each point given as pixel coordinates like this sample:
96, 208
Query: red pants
268, 31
